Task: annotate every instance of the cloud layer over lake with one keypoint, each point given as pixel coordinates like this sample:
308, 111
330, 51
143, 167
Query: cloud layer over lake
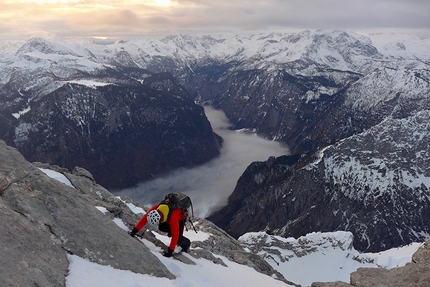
210, 185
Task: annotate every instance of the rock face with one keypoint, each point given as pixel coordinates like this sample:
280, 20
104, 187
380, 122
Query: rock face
43, 220
416, 273
123, 133
374, 184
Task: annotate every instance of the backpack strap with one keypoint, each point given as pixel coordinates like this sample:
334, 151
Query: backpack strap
192, 210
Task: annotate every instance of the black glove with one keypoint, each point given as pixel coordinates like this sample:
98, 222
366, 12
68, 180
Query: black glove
168, 253
133, 232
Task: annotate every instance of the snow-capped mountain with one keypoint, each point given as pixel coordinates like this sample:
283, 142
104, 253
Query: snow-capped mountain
71, 109
386, 109
330, 91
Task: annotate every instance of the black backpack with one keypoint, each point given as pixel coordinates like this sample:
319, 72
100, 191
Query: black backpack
177, 200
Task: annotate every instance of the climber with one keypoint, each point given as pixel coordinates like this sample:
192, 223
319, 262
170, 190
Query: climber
169, 220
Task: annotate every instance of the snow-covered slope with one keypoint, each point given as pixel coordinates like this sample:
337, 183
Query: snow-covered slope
402, 46
316, 257
321, 257
83, 273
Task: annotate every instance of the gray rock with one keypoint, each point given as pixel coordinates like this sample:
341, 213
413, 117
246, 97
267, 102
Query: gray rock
416, 273
201, 253
43, 220
79, 171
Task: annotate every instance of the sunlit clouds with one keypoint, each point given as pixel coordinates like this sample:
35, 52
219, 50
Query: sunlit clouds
130, 18
84, 17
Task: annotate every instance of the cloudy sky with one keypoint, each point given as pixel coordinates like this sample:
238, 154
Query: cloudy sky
129, 18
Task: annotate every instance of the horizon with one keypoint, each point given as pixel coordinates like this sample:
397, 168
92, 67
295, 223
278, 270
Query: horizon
112, 40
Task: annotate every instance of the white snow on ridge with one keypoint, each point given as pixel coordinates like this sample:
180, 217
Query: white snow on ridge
135, 209
102, 209
277, 48
322, 257
395, 257
20, 113
89, 83
400, 45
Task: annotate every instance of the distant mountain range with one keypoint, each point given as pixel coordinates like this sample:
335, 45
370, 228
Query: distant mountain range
353, 109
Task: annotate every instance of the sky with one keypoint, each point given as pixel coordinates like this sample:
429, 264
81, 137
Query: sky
134, 18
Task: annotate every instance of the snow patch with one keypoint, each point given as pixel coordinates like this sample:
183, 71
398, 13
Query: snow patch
20, 113
89, 83
135, 209
57, 176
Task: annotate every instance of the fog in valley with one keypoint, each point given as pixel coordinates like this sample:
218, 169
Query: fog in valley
210, 185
